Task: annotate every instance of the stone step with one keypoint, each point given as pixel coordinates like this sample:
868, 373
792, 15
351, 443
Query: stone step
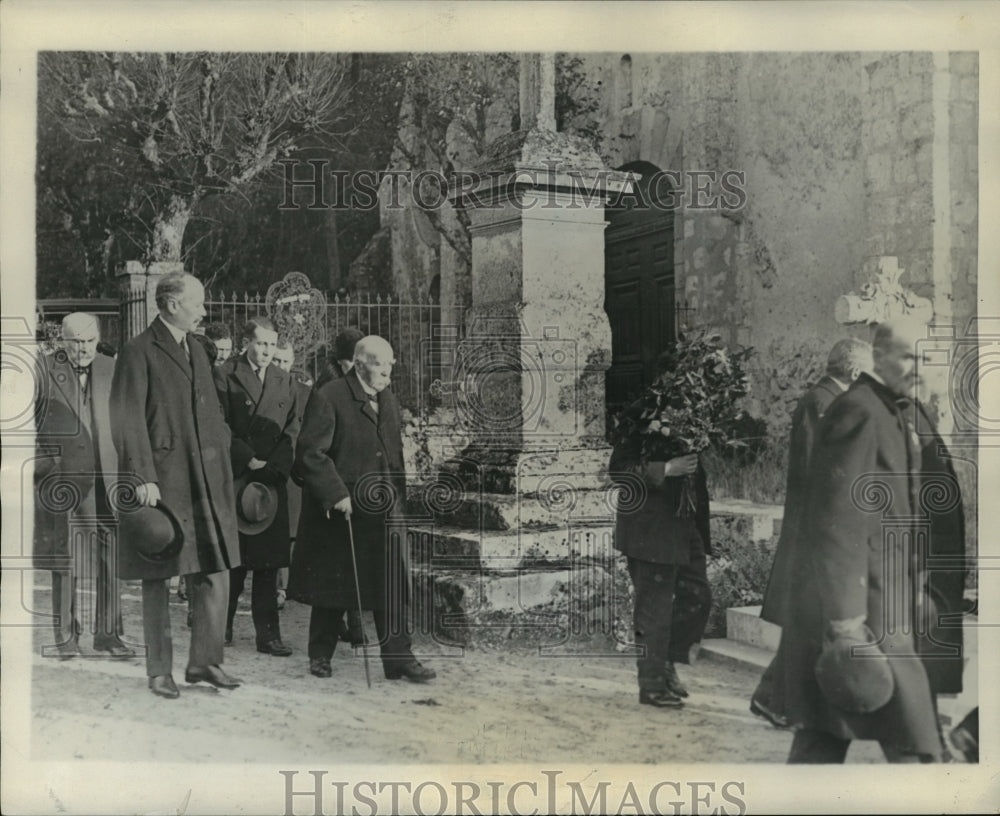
497, 511
466, 604
528, 472
493, 550
742, 521
469, 593
745, 625
734, 653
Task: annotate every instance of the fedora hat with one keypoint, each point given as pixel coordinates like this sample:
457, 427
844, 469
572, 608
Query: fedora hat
153, 532
256, 505
857, 680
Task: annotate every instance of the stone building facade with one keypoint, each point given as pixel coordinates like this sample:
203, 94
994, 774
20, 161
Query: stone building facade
846, 158
809, 196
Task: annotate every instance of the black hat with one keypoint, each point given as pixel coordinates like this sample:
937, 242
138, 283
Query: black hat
152, 531
343, 346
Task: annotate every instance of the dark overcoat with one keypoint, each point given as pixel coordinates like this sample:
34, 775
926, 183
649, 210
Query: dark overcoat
940, 643
346, 449
648, 525
294, 486
856, 559
264, 425
76, 457
805, 421
169, 429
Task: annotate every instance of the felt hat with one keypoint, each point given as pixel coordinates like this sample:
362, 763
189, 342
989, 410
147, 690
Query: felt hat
256, 505
853, 674
152, 531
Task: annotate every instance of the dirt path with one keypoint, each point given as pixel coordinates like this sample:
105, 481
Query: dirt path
485, 707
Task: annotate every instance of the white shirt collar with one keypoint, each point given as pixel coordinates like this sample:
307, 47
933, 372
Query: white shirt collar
371, 392
841, 385
176, 333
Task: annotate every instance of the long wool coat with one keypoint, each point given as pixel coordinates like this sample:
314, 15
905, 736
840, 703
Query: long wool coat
294, 488
169, 429
805, 422
650, 527
347, 449
264, 425
71, 440
856, 559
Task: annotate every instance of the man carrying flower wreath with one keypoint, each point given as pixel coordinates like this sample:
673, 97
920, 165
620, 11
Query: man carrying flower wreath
663, 506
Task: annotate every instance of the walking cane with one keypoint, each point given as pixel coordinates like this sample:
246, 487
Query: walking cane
357, 592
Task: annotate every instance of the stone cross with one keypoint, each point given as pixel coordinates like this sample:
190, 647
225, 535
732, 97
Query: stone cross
538, 92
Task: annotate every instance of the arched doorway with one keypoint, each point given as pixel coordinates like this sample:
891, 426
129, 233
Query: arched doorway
638, 286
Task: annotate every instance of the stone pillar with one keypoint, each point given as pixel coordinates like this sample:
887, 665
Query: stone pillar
538, 342
538, 92
138, 291
522, 519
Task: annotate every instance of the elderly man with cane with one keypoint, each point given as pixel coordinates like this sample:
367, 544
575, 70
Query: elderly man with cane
350, 459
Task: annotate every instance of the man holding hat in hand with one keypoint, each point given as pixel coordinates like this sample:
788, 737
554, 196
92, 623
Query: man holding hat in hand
171, 436
849, 666
259, 403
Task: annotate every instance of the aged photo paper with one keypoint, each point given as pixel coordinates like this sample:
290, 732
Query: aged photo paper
548, 731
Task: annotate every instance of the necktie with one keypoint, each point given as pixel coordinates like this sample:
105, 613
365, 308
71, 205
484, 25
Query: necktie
83, 375
184, 347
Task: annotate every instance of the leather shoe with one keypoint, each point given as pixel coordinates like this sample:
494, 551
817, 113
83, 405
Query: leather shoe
660, 699
320, 667
414, 671
211, 674
674, 685
163, 685
115, 648
229, 636
274, 647
761, 710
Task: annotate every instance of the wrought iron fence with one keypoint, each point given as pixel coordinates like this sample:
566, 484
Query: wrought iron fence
413, 329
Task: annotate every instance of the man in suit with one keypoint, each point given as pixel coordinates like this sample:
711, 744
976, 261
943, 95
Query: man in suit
171, 435
350, 458
258, 400
76, 450
847, 359
858, 577
666, 551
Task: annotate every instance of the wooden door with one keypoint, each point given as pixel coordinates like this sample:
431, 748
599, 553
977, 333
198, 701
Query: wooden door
639, 299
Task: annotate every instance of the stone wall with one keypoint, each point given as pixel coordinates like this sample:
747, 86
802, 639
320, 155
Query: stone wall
839, 155
964, 176
898, 136
838, 151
